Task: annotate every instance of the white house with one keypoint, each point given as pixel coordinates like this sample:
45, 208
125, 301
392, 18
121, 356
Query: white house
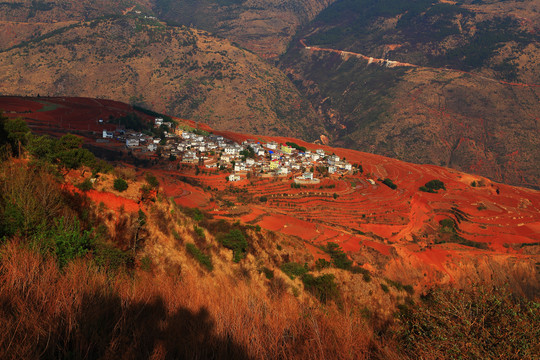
272, 145
283, 171
239, 167
332, 169
108, 134
152, 147
333, 160
230, 150
348, 166
308, 175
158, 121
234, 177
132, 142
320, 152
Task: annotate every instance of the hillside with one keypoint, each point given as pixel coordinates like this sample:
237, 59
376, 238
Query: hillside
447, 84
265, 27
495, 231
178, 70
169, 260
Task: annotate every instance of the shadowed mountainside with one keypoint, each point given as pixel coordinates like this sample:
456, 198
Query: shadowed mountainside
467, 96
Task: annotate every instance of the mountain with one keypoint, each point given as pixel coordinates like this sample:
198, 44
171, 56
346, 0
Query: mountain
448, 83
150, 256
264, 27
178, 70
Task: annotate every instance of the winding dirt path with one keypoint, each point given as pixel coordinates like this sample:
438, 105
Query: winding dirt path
392, 64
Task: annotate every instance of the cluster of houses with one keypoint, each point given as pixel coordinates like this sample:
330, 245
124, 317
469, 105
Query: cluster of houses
251, 157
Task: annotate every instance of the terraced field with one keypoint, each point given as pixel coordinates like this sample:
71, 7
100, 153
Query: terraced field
488, 229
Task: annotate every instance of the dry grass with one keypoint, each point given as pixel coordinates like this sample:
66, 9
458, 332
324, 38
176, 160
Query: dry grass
86, 314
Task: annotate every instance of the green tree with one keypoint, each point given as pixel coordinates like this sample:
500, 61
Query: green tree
120, 185
236, 241
13, 134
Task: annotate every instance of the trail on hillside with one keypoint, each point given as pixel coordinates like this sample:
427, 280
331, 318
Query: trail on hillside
392, 64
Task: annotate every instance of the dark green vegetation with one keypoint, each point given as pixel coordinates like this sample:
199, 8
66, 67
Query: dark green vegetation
389, 183
449, 233
236, 241
323, 286
296, 146
432, 186
202, 258
66, 152
120, 185
294, 269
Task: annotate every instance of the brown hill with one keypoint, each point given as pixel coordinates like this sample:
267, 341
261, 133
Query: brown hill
181, 71
448, 84
264, 27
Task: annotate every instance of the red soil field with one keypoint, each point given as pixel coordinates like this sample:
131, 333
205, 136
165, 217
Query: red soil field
347, 210
110, 200
66, 113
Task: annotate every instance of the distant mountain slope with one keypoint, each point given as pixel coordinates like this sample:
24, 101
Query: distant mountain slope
181, 71
64, 10
264, 27
467, 95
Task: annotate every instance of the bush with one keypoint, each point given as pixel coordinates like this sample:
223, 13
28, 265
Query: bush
366, 275
322, 287
447, 225
432, 186
477, 324
152, 180
296, 146
269, 274
203, 259
200, 232
120, 185
389, 183
235, 241
66, 240
293, 269
86, 185
435, 185
111, 258
263, 199
339, 258
322, 264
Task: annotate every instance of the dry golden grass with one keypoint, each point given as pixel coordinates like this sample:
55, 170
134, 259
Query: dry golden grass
85, 313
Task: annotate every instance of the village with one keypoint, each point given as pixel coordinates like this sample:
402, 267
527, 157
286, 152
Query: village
248, 159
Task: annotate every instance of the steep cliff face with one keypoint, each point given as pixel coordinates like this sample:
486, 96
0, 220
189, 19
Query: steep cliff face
448, 84
178, 70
